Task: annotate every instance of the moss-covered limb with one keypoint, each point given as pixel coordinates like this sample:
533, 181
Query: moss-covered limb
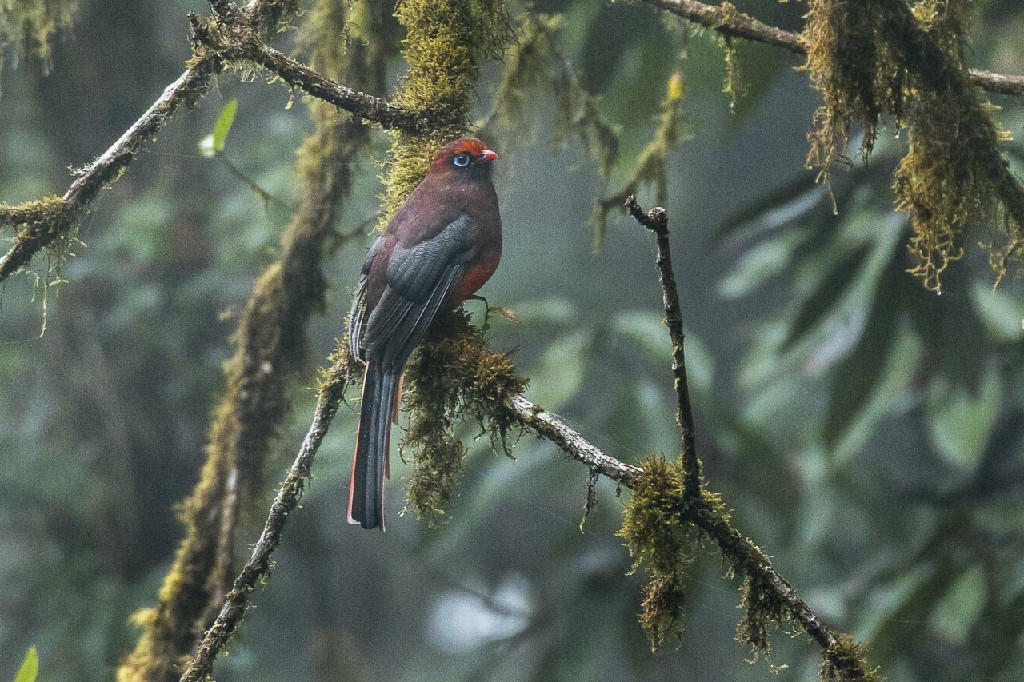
729, 22
745, 559
656, 220
257, 568
954, 171
186, 90
39, 224
874, 58
236, 41
445, 43
44, 226
269, 347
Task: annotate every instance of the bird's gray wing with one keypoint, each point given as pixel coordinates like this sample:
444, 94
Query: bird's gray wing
419, 280
357, 316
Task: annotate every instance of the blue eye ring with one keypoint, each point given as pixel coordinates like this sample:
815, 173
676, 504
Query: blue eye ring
461, 160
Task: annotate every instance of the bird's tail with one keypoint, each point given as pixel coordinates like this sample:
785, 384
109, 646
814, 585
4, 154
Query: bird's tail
373, 440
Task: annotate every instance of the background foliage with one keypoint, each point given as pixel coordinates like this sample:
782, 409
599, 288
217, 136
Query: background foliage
867, 431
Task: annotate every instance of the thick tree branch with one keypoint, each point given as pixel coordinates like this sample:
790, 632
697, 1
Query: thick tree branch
656, 220
240, 43
728, 21
258, 567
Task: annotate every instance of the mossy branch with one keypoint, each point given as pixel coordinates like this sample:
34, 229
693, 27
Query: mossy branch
230, 37
257, 568
729, 22
269, 346
41, 226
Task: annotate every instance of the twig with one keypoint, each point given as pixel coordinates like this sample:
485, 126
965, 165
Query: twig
258, 566
728, 21
656, 220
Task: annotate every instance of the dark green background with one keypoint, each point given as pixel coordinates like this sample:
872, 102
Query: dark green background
866, 432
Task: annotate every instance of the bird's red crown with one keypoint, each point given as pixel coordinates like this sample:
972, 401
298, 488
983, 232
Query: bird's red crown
467, 145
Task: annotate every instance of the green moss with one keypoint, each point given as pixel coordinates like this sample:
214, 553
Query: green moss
663, 543
47, 223
852, 64
865, 58
32, 25
269, 349
846, 661
453, 377
445, 43
761, 607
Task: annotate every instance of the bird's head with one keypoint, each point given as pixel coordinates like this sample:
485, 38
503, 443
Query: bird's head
467, 157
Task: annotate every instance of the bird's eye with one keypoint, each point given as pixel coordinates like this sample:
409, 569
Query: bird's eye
461, 159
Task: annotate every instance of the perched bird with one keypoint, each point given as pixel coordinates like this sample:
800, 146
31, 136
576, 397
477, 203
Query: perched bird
441, 246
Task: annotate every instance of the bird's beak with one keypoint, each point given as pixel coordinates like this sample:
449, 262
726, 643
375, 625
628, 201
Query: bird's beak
488, 155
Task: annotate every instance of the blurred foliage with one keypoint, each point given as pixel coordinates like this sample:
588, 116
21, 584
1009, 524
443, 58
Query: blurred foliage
29, 667
865, 431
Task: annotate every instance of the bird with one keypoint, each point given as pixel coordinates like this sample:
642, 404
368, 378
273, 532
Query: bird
443, 243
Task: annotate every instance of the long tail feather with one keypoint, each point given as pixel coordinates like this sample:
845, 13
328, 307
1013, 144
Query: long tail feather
366, 490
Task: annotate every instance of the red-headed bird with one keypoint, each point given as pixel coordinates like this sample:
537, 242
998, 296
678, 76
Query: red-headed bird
441, 246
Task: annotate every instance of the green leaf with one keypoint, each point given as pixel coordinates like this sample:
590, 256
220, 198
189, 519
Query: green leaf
213, 144
858, 375
29, 667
759, 264
826, 296
961, 607
960, 423
1002, 314
560, 372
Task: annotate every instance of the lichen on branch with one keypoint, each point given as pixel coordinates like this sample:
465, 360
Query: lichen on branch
661, 542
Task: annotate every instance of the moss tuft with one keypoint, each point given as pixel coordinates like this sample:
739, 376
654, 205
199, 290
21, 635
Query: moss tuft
453, 376
43, 223
31, 26
846, 661
872, 58
663, 543
761, 607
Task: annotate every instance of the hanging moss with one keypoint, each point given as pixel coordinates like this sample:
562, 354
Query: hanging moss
873, 58
661, 542
31, 26
852, 64
453, 377
761, 608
